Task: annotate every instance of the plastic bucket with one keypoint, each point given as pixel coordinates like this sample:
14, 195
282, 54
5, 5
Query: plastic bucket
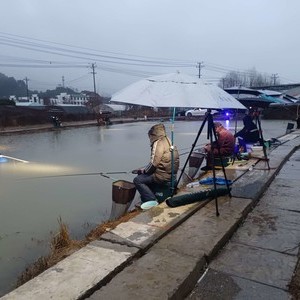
196, 159
249, 148
123, 191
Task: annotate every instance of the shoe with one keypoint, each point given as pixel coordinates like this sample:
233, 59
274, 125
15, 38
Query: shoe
206, 168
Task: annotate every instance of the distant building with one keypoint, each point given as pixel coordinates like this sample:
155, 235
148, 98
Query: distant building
34, 99
75, 99
294, 92
61, 99
292, 89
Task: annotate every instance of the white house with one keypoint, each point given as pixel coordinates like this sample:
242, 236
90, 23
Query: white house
24, 101
76, 99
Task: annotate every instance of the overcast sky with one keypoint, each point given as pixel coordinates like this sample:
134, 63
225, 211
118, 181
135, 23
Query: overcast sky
47, 41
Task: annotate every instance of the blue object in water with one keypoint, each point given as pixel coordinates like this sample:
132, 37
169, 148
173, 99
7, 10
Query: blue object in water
3, 159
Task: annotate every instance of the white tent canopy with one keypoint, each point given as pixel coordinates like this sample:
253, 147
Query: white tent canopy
176, 90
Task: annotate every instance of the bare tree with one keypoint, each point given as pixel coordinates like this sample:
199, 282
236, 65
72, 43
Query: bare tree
248, 79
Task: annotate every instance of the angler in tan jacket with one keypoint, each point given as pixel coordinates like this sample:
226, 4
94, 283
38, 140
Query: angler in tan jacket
159, 169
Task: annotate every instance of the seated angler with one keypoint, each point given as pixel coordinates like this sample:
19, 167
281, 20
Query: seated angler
249, 134
223, 146
159, 169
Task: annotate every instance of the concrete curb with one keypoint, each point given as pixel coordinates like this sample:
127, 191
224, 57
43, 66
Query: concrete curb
68, 125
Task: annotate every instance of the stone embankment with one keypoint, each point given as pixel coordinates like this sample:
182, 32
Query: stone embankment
163, 252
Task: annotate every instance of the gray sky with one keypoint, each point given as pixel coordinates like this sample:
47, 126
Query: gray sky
132, 39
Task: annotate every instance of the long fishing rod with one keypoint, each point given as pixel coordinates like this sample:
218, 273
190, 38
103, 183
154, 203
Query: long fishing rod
104, 174
200, 146
13, 158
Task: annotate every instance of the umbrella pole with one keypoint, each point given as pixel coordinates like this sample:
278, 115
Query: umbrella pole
172, 153
236, 120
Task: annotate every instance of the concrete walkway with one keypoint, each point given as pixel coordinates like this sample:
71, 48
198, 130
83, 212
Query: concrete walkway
162, 253
259, 260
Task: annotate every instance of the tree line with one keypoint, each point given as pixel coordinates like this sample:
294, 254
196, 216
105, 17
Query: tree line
10, 86
249, 79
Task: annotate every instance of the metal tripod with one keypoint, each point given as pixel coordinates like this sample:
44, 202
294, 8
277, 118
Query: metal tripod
212, 136
261, 138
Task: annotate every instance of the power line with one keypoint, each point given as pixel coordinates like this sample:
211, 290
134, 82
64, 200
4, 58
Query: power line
107, 59
41, 66
78, 79
66, 52
107, 52
116, 58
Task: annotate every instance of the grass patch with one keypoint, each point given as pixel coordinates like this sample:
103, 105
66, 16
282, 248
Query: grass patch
62, 245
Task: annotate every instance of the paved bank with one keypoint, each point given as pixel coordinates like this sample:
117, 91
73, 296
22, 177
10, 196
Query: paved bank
259, 260
172, 267
65, 125
162, 252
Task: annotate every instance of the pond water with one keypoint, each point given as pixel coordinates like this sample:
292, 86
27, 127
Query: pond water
34, 195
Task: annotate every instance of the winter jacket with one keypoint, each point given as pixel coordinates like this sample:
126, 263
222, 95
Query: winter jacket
226, 142
249, 133
160, 164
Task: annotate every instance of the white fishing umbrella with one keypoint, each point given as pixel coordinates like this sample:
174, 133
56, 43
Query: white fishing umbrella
176, 90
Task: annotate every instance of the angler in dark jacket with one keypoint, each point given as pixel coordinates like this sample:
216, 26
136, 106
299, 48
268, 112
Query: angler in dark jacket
249, 134
159, 169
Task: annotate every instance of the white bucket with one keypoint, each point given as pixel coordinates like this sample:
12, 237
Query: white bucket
249, 148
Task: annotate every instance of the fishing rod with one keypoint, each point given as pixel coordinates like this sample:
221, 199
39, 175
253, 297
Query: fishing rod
104, 174
200, 146
13, 158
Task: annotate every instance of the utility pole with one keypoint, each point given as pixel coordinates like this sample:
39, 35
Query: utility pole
274, 77
63, 81
200, 64
27, 92
94, 73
